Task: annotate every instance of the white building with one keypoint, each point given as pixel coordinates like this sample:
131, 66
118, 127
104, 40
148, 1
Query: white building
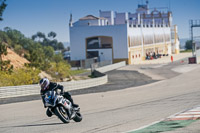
123, 36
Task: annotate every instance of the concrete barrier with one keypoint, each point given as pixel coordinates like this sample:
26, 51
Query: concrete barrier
111, 67
25, 90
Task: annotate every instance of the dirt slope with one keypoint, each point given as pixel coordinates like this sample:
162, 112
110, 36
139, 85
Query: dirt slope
16, 60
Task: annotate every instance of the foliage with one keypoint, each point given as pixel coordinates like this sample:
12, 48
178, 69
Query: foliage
2, 8
188, 44
39, 51
50, 41
24, 76
19, 49
14, 35
52, 34
59, 70
3, 50
49, 52
58, 58
4, 38
4, 65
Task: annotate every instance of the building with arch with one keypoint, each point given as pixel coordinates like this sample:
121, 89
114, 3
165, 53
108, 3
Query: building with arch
123, 36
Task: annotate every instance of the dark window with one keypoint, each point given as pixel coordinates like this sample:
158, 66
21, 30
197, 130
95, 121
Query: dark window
93, 43
92, 54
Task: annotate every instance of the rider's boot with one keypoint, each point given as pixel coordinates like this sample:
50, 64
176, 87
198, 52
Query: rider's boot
48, 113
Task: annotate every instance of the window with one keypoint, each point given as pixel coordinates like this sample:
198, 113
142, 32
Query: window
93, 43
92, 54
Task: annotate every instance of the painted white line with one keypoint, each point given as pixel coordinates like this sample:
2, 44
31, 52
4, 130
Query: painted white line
187, 116
195, 110
191, 113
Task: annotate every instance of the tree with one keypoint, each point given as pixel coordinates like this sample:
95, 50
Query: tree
52, 34
4, 38
14, 35
188, 44
49, 52
39, 36
3, 51
2, 8
48, 41
60, 46
4, 65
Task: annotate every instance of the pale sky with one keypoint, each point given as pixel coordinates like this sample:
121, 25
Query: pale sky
31, 16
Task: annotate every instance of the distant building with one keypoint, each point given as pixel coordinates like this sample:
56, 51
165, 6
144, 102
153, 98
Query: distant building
123, 36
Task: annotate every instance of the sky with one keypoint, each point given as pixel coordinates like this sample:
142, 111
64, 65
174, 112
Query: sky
31, 16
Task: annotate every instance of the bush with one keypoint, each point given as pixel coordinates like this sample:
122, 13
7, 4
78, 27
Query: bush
60, 70
24, 76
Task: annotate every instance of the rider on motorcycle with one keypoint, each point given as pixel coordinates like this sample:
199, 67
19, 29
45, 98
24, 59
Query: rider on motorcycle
46, 85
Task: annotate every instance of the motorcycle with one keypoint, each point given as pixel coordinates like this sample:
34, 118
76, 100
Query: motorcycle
61, 107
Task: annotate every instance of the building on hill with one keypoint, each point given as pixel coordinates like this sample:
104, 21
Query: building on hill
124, 36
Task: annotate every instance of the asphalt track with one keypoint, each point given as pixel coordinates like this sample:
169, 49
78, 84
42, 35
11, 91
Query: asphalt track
109, 112
119, 79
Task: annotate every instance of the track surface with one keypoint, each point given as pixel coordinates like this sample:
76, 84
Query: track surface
109, 112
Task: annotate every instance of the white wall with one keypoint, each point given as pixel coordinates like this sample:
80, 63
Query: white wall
95, 22
121, 18
108, 15
197, 52
78, 37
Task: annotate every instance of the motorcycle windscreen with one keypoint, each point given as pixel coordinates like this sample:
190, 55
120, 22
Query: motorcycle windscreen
49, 98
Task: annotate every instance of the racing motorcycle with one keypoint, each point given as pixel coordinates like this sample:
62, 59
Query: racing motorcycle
61, 107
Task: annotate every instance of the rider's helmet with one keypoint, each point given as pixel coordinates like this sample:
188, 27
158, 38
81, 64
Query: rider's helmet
44, 83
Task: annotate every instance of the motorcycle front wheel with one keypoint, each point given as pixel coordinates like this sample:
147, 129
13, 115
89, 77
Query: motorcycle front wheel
62, 114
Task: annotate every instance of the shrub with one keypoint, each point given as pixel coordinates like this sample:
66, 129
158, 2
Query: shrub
23, 76
59, 70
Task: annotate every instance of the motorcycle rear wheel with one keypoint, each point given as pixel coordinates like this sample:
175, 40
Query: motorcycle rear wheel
78, 117
63, 116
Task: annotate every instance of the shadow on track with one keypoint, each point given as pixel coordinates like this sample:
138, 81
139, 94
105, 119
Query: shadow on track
34, 125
